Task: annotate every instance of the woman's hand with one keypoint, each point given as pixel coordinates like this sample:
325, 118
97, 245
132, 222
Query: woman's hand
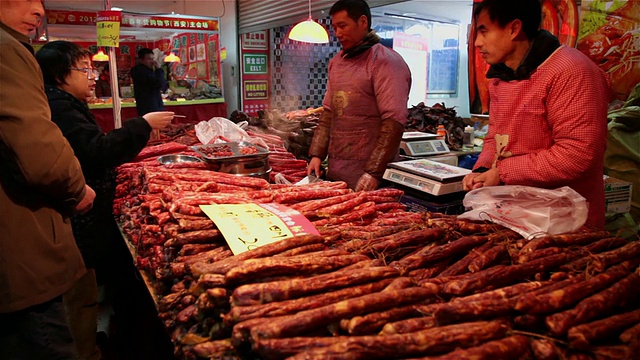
159, 119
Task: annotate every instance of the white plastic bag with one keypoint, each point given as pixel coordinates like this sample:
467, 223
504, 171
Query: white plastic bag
529, 211
220, 130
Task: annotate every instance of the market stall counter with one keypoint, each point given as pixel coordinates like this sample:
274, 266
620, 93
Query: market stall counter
193, 110
373, 282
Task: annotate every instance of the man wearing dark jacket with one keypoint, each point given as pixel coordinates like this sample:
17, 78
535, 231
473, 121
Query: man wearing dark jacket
41, 183
148, 83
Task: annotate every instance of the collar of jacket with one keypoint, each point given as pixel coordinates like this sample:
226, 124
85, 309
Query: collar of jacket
542, 46
369, 40
54, 93
24, 39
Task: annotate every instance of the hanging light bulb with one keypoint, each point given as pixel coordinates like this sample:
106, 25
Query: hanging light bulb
172, 58
100, 56
309, 31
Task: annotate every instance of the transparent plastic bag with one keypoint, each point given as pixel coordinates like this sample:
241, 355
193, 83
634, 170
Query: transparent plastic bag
531, 212
221, 130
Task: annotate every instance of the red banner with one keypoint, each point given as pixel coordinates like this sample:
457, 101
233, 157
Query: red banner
69, 17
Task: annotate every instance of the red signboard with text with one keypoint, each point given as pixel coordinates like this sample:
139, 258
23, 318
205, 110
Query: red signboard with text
255, 69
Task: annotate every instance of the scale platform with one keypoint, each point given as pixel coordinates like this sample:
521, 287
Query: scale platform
422, 144
427, 176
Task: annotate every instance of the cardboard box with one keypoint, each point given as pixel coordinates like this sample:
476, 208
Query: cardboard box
617, 195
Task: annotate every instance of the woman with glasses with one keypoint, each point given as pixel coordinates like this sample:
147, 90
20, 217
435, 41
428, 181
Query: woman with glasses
69, 80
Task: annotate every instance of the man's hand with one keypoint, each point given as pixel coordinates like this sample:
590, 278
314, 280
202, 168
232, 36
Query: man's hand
314, 166
477, 180
87, 201
367, 183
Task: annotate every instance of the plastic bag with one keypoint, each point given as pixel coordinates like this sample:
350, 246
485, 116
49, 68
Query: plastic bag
280, 179
221, 130
531, 212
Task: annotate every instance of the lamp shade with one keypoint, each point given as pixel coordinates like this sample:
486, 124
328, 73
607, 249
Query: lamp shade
100, 56
171, 58
309, 31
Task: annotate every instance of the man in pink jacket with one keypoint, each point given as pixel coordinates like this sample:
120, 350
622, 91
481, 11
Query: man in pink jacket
365, 107
548, 107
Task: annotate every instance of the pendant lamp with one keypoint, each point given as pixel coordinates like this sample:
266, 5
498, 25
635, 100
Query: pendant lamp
171, 58
309, 31
100, 56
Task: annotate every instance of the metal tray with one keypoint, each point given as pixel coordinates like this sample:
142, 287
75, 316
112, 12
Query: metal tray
175, 159
233, 149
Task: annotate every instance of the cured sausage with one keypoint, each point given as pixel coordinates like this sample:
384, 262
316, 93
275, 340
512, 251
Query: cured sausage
512, 347
624, 291
255, 294
582, 336
439, 252
242, 313
252, 270
562, 298
312, 319
429, 341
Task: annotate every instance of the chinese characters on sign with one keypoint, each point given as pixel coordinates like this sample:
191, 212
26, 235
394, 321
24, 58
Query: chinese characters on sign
255, 77
108, 28
254, 63
255, 40
249, 226
256, 89
64, 17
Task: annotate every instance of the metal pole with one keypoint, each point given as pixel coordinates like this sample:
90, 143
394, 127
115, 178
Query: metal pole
113, 79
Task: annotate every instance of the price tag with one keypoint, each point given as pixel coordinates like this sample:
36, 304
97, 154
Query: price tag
108, 28
249, 226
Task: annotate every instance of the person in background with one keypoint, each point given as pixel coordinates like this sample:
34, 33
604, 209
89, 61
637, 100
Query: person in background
548, 107
103, 83
365, 106
148, 83
41, 184
69, 79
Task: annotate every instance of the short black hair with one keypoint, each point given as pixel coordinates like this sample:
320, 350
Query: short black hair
56, 59
529, 12
144, 51
354, 8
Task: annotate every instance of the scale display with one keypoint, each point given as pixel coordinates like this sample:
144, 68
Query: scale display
424, 147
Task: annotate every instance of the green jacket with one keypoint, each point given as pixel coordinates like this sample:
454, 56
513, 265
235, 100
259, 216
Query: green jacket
40, 183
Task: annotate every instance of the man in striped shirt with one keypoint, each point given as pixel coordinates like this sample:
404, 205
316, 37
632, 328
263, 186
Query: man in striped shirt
548, 107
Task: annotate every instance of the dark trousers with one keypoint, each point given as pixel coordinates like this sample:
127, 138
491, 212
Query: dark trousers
38, 332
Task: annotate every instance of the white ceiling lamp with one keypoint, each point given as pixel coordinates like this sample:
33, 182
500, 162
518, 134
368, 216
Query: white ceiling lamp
309, 31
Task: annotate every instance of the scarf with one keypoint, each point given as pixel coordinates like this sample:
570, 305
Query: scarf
542, 46
367, 42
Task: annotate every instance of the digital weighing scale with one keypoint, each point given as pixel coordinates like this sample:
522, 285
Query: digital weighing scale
427, 176
417, 143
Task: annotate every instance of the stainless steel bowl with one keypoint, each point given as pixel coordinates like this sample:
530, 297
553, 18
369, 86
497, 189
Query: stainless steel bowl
175, 159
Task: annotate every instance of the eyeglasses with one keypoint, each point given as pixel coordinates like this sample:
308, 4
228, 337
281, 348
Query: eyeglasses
92, 74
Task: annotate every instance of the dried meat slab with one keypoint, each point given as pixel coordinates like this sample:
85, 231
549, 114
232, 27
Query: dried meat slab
230, 151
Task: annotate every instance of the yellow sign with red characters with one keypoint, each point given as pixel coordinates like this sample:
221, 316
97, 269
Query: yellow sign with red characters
249, 226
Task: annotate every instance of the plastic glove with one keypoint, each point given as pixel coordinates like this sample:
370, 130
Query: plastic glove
367, 183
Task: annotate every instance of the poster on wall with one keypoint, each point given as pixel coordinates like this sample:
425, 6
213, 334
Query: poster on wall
414, 51
610, 35
255, 74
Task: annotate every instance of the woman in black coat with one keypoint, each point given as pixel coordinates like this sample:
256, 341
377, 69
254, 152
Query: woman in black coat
69, 80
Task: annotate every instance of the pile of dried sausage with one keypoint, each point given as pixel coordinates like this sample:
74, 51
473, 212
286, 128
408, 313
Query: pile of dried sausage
377, 283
